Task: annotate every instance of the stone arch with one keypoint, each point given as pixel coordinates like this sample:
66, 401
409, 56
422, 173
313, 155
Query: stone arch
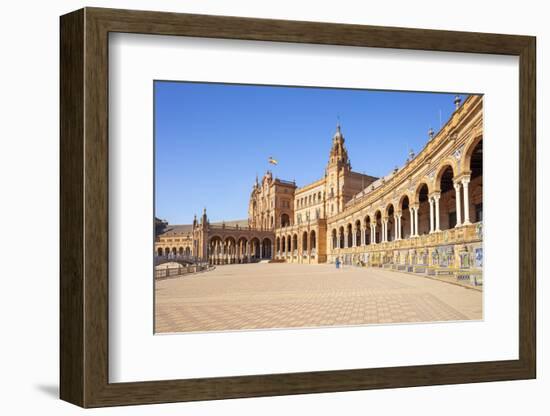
377, 222
402, 199
404, 205
242, 243
266, 248
422, 201
357, 231
349, 232
289, 243
469, 148
159, 251
442, 168
215, 248
312, 241
295, 243
474, 160
215, 237
255, 248
446, 202
229, 239
341, 237
187, 251
180, 251
368, 223
389, 212
334, 236
419, 187
305, 242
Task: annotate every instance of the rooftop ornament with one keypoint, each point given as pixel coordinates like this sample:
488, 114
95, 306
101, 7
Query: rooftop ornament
431, 133
457, 102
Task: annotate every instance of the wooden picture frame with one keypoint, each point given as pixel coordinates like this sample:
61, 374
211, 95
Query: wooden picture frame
84, 207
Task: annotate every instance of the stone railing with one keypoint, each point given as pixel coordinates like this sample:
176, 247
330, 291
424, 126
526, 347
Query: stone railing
463, 234
166, 273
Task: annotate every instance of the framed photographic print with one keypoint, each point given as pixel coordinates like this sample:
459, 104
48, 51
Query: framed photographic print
255, 207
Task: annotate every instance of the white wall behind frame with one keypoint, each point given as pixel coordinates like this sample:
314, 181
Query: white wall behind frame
137, 60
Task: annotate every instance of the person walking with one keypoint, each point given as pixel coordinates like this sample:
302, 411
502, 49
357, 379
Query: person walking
337, 262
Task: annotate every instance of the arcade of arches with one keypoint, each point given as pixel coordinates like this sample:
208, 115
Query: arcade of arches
425, 214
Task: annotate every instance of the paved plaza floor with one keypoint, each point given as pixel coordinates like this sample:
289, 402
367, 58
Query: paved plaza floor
275, 295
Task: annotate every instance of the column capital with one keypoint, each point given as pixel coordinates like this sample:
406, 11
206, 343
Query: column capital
465, 179
435, 195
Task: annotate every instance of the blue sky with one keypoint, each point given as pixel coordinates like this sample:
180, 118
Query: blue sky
212, 139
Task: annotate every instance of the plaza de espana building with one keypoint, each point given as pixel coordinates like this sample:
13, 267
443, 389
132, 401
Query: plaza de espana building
425, 215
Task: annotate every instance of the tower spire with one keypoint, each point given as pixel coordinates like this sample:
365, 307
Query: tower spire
338, 153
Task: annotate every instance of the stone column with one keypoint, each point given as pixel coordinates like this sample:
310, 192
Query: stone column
430, 199
261, 250
229, 253
457, 198
384, 230
436, 201
465, 183
416, 221
411, 212
373, 234
397, 224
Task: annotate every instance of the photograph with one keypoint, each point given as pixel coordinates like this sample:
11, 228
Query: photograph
281, 207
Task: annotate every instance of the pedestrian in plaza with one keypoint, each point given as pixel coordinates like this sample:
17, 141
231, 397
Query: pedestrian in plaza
337, 262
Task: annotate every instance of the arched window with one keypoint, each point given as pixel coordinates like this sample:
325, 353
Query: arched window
285, 220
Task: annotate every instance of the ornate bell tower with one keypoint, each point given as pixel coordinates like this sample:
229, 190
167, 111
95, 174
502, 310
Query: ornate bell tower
337, 169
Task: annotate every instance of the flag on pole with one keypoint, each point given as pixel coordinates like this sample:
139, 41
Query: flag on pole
272, 161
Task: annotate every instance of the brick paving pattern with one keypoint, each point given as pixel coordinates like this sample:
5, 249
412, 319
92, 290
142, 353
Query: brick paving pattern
261, 296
